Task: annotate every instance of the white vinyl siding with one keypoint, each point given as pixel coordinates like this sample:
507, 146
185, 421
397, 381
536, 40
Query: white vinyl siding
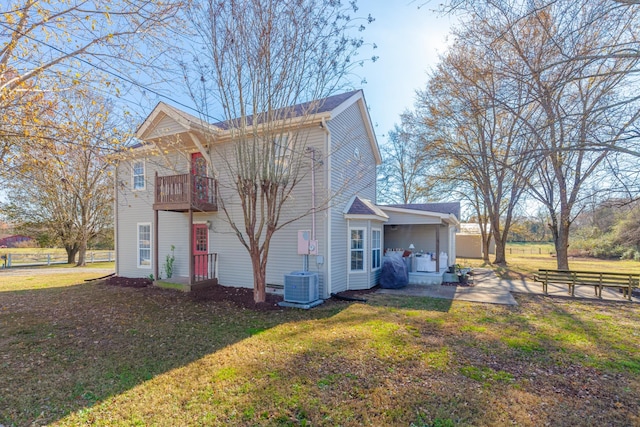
357, 249
375, 249
345, 166
283, 151
352, 172
135, 207
233, 259
144, 245
138, 175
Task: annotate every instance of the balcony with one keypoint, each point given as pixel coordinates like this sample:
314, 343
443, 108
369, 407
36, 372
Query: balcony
181, 193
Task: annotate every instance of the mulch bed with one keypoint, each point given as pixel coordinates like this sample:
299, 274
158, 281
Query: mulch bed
241, 297
128, 282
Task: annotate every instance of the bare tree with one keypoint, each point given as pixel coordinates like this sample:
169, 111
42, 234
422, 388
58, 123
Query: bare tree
50, 47
65, 185
577, 63
257, 59
584, 106
617, 21
404, 175
481, 145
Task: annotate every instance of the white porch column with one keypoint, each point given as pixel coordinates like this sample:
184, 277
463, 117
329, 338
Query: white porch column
438, 248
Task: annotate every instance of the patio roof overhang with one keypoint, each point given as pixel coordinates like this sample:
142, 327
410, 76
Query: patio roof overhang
404, 216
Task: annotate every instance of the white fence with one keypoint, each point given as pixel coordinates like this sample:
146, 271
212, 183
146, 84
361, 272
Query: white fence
9, 260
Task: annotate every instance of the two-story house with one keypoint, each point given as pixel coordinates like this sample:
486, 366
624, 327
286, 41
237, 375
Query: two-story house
168, 200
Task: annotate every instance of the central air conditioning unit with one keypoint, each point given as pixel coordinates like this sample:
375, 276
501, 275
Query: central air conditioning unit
301, 287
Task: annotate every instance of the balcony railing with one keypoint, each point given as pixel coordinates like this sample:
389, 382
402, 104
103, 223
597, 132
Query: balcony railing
183, 192
205, 267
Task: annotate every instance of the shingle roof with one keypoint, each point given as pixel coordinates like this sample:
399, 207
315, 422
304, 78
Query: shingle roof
318, 106
315, 107
358, 207
364, 207
444, 208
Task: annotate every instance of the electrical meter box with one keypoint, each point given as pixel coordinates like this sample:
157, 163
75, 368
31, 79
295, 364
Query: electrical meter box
306, 246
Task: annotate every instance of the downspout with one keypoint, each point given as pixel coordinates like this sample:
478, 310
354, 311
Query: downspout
328, 262
115, 215
313, 193
156, 233
348, 252
367, 252
313, 206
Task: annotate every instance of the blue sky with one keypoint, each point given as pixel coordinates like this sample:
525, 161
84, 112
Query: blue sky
409, 41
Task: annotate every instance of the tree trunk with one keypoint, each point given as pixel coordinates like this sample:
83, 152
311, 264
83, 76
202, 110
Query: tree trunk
72, 250
486, 245
500, 238
560, 241
82, 251
501, 258
259, 278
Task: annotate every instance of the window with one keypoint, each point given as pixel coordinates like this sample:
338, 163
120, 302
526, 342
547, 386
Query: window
144, 245
375, 249
357, 249
138, 175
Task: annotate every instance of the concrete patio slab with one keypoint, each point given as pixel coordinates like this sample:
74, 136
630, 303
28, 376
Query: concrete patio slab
488, 288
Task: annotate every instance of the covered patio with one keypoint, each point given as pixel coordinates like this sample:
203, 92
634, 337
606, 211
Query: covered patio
428, 232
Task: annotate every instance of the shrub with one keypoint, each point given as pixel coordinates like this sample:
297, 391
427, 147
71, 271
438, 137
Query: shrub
26, 244
604, 247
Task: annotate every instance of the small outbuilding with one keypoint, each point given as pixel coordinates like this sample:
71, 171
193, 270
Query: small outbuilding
469, 241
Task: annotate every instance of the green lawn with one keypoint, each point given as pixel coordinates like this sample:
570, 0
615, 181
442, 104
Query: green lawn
524, 259
89, 354
42, 255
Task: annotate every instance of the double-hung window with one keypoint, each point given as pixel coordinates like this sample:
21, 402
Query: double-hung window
356, 249
144, 245
375, 249
138, 175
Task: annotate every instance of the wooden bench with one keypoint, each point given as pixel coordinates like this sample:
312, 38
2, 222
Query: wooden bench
625, 282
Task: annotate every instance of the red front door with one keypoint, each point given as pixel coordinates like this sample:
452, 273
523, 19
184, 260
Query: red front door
200, 182
200, 247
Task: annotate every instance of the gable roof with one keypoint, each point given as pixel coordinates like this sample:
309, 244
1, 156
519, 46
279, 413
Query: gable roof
325, 108
187, 121
359, 208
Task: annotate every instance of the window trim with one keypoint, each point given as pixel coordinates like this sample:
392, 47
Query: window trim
363, 250
144, 175
138, 248
379, 249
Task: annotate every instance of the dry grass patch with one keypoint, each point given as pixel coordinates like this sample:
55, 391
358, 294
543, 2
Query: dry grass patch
97, 355
35, 282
